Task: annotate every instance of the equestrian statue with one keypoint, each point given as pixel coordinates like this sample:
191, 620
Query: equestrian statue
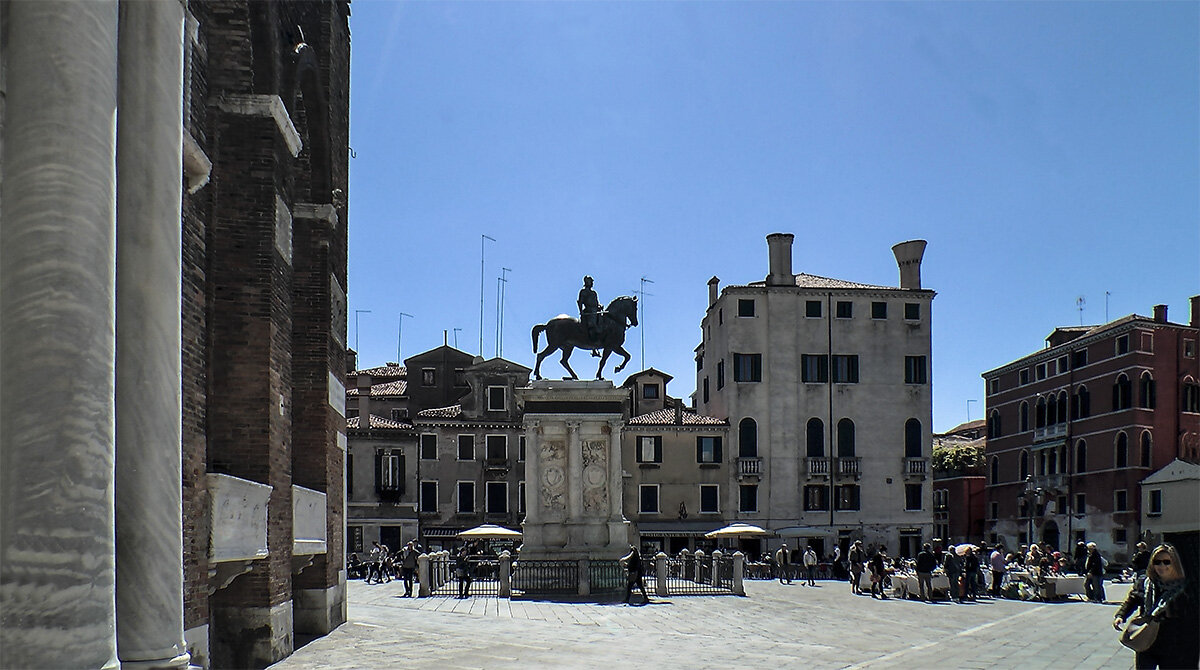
596, 329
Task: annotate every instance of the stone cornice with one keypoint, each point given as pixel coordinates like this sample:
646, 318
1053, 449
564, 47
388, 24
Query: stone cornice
264, 105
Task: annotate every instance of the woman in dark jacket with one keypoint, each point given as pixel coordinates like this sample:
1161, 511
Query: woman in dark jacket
1165, 594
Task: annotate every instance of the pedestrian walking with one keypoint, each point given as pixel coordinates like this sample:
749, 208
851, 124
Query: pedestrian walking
408, 566
462, 570
857, 557
1093, 584
953, 566
926, 562
634, 575
997, 564
1164, 595
810, 565
783, 560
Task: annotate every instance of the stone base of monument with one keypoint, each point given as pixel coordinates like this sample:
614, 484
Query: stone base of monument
574, 529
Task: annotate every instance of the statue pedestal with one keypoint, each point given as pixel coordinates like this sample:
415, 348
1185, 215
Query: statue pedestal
573, 471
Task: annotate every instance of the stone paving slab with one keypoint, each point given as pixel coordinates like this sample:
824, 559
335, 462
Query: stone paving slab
793, 625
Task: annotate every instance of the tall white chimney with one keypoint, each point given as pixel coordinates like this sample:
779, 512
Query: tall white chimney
908, 257
779, 254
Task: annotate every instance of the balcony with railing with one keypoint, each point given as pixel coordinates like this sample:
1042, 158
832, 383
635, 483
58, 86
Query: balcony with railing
818, 466
849, 466
749, 467
1050, 432
916, 467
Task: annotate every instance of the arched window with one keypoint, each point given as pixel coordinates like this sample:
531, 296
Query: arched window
1147, 443
1051, 410
993, 424
1081, 456
1024, 416
1083, 404
1051, 462
1122, 459
1121, 393
1039, 412
995, 470
816, 438
845, 435
1146, 398
1062, 406
912, 438
748, 438
1024, 465
1191, 395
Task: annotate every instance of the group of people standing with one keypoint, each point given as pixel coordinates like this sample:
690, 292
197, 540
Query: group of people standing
808, 561
383, 564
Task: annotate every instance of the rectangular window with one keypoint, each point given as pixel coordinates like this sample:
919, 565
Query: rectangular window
399, 414
649, 449
710, 495
1041, 371
721, 374
845, 368
814, 368
349, 476
429, 447
915, 370
1062, 364
748, 498
994, 511
466, 497
993, 385
812, 308
1122, 345
521, 448
460, 377
497, 497
497, 447
466, 447
1189, 348
1155, 502
521, 498
704, 393
708, 449
912, 497
745, 307
391, 472
354, 541
845, 309
429, 497
1120, 536
816, 498
1120, 501
428, 377
747, 367
648, 498
495, 396
699, 362
879, 310
847, 497
1023, 376
1080, 359
1080, 503
650, 391
912, 311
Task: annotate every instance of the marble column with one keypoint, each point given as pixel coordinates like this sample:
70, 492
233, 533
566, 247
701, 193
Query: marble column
57, 256
616, 486
533, 482
149, 528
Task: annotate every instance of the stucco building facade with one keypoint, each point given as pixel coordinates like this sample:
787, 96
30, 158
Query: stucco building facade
827, 389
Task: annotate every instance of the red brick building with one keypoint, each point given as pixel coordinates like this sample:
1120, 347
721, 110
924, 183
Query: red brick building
1072, 430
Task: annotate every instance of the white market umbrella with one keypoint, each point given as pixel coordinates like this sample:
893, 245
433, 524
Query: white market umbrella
739, 530
490, 532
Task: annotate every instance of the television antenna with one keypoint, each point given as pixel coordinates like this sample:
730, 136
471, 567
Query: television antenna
1079, 303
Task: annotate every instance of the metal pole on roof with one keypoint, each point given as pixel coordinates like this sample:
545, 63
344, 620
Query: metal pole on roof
641, 318
482, 240
399, 333
356, 313
502, 281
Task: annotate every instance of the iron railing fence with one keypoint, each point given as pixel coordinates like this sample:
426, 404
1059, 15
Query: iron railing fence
482, 578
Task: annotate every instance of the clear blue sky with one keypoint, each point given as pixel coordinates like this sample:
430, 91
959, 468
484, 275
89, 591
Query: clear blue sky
1045, 150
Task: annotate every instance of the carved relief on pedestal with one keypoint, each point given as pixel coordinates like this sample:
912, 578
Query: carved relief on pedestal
595, 477
553, 484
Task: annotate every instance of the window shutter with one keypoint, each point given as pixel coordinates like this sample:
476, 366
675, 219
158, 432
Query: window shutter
658, 448
378, 469
699, 450
716, 449
400, 474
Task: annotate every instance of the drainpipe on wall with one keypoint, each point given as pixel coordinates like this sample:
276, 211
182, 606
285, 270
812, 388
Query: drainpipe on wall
829, 390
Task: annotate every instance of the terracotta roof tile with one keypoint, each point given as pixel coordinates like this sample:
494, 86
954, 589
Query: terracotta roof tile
451, 412
813, 281
396, 388
666, 417
376, 422
384, 371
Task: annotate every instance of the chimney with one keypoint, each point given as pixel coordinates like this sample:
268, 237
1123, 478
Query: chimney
1195, 320
1160, 314
908, 257
679, 414
351, 360
364, 402
713, 291
779, 254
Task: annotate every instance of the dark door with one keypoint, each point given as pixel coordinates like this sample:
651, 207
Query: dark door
390, 537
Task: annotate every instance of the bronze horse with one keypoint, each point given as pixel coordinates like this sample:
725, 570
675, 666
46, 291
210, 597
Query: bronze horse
567, 332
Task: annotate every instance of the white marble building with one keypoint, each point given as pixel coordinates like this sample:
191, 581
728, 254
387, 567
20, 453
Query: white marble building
827, 388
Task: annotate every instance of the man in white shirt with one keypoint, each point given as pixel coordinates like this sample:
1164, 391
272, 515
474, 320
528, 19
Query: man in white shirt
810, 565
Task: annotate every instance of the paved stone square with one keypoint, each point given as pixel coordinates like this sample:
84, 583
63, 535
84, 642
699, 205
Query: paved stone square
775, 625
